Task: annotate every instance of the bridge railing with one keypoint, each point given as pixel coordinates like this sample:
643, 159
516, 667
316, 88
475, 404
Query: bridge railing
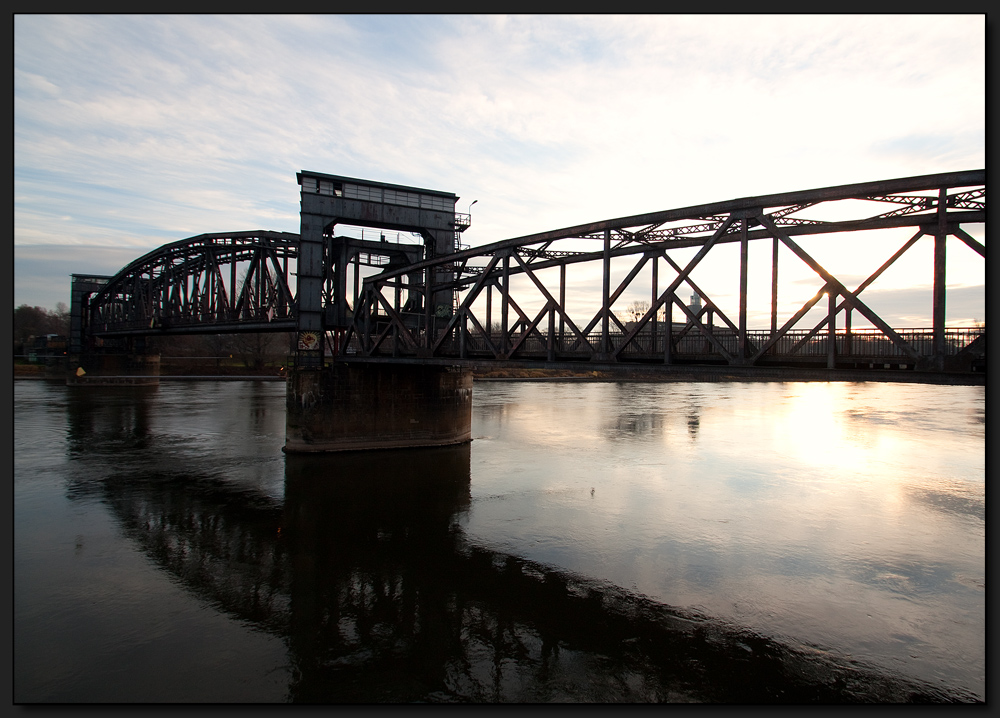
856, 345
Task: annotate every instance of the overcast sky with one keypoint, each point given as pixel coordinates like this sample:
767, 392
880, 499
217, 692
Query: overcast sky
134, 131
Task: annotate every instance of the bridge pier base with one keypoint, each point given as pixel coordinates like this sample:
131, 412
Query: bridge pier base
351, 406
113, 370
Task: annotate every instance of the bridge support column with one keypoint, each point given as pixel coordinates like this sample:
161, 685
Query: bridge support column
351, 406
742, 353
831, 330
939, 292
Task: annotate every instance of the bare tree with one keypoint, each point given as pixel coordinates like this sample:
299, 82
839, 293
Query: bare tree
637, 309
218, 346
255, 349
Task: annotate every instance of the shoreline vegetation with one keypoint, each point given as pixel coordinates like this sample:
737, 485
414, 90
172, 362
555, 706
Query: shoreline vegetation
40, 371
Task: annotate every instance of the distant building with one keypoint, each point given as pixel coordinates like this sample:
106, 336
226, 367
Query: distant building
695, 305
46, 348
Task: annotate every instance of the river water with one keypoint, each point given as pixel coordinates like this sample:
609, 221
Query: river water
719, 542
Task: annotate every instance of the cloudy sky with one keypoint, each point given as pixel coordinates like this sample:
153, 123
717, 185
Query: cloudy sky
134, 131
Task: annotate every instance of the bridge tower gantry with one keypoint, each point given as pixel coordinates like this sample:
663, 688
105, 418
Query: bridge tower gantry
328, 200
380, 406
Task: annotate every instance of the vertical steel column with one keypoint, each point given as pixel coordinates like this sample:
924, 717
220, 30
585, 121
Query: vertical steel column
562, 302
652, 302
463, 331
505, 304
233, 298
259, 277
213, 294
343, 261
284, 269
310, 286
606, 294
551, 353
395, 327
489, 310
774, 286
831, 344
940, 241
744, 252
427, 308
357, 281
668, 330
366, 343
848, 349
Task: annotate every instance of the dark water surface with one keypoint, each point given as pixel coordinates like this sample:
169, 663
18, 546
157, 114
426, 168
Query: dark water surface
764, 542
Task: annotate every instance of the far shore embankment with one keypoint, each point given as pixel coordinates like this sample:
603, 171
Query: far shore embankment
620, 373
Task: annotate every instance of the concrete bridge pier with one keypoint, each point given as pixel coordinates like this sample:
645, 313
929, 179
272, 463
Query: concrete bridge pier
355, 405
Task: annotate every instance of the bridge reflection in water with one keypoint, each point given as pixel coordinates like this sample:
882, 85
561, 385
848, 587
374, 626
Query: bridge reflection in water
364, 571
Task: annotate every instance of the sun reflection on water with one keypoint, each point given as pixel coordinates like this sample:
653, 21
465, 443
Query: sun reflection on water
849, 514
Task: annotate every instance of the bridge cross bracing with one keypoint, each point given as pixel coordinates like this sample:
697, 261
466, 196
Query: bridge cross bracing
507, 301
934, 206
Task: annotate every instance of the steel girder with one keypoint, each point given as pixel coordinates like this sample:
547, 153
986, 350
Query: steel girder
933, 205
228, 282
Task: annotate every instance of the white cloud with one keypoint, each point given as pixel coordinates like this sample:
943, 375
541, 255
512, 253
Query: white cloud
152, 128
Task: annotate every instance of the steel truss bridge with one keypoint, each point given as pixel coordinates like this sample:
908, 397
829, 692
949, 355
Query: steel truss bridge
509, 298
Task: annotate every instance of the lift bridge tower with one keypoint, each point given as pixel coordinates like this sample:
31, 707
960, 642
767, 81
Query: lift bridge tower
325, 259
352, 405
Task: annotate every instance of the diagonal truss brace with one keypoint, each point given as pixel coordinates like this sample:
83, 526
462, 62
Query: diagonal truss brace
861, 287
834, 285
678, 280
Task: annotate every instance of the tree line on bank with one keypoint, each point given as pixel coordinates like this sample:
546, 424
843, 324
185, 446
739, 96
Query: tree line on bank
33, 323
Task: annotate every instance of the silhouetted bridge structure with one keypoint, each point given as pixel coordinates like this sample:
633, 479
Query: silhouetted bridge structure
430, 301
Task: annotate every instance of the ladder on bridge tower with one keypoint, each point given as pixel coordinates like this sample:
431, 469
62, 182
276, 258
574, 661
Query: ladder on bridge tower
461, 223
455, 301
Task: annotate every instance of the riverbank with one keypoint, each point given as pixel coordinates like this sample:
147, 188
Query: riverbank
674, 373
38, 371
635, 373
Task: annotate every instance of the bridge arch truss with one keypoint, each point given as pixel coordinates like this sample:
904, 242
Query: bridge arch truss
492, 322
214, 283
